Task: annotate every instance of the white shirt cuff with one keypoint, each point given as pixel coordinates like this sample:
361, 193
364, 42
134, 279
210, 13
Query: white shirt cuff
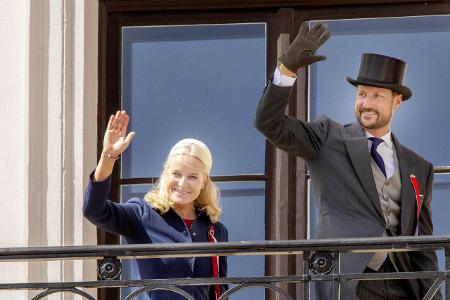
282, 80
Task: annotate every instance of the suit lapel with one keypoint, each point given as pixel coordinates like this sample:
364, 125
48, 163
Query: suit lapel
408, 202
356, 143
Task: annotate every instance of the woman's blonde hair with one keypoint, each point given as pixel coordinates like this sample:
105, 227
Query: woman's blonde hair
207, 201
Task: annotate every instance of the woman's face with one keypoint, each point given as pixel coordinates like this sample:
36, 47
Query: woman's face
185, 179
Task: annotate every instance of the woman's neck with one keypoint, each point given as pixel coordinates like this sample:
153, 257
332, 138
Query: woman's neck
185, 212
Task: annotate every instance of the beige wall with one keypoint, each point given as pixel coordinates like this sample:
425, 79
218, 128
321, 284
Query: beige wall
48, 86
13, 145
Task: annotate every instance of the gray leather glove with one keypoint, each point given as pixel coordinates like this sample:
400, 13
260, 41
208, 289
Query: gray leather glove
301, 52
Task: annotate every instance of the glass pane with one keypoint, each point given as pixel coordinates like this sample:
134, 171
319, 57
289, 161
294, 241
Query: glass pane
199, 81
243, 214
421, 122
313, 212
440, 205
424, 43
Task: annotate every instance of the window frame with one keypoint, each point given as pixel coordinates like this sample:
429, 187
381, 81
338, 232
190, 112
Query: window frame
110, 94
283, 19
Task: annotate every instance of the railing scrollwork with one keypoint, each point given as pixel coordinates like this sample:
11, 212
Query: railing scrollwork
109, 268
71, 290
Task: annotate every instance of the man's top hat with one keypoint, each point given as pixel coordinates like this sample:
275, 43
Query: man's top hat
382, 71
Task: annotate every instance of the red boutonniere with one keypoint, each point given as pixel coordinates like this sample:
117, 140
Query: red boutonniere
415, 185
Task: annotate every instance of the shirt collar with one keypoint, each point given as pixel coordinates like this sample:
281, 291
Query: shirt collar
387, 138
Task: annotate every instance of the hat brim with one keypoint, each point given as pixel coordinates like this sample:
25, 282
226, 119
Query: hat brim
401, 89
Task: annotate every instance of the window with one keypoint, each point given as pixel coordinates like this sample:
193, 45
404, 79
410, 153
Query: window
422, 121
250, 172
203, 82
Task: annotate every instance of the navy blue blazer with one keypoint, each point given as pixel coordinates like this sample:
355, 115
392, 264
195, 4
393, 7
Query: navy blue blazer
140, 223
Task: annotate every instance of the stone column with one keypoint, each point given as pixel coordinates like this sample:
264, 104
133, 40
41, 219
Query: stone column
49, 84
14, 145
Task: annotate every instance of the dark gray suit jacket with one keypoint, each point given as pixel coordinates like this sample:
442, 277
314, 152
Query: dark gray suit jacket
338, 160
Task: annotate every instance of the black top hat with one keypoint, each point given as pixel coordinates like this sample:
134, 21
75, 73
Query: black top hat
382, 71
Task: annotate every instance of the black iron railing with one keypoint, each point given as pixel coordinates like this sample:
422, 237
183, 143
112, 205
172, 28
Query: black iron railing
323, 266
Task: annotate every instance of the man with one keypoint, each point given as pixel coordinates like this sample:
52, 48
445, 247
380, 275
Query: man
363, 177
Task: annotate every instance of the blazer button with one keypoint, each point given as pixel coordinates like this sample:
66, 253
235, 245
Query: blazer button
194, 234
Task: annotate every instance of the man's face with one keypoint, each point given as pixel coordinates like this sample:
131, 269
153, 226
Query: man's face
374, 108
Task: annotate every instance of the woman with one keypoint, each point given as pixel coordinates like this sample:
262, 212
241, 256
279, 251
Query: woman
182, 208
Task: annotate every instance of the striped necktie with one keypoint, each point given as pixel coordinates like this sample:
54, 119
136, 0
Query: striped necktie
375, 155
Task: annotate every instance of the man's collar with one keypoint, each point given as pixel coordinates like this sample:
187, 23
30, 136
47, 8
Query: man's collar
387, 138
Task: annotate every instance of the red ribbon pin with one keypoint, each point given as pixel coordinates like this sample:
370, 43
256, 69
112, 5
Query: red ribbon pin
215, 262
415, 185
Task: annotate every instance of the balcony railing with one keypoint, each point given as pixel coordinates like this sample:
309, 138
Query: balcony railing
321, 267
